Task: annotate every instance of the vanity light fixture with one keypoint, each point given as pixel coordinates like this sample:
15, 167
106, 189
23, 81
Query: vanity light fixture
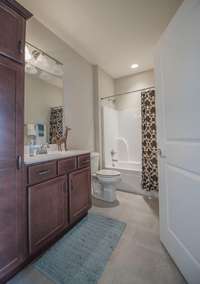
28, 55
133, 66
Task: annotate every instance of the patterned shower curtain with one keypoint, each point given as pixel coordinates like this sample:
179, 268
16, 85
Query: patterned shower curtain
149, 144
56, 122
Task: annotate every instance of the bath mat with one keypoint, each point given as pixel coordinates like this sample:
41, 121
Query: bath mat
81, 255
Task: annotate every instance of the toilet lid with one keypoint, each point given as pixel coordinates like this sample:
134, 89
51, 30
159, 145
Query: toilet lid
108, 173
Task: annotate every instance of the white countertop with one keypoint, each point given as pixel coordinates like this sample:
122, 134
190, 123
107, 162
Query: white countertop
56, 155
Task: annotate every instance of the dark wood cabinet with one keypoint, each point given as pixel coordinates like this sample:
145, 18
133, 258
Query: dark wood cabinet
13, 233
12, 33
47, 212
56, 204
79, 193
12, 202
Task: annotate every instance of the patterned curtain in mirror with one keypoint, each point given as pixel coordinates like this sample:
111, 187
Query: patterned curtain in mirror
56, 122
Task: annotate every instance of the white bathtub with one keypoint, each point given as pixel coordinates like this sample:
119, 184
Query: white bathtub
130, 174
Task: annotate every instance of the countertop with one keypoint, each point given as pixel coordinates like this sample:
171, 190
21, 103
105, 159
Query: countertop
52, 156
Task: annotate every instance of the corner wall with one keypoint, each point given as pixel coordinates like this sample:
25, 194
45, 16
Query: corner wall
103, 87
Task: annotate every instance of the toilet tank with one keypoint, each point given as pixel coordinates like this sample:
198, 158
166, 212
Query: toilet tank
94, 162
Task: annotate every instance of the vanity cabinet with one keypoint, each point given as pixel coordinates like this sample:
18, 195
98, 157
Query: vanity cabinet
13, 234
59, 194
79, 193
47, 208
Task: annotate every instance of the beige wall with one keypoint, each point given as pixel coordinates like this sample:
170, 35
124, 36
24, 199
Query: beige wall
135, 82
106, 84
78, 84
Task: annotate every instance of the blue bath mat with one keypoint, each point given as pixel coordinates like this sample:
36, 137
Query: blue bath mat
81, 255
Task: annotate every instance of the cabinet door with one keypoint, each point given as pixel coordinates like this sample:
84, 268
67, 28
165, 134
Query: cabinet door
47, 210
79, 193
12, 192
12, 33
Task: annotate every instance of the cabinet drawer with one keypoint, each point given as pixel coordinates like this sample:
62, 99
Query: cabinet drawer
84, 161
66, 166
42, 172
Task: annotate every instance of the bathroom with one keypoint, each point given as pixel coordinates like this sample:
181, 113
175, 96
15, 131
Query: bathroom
97, 153
121, 133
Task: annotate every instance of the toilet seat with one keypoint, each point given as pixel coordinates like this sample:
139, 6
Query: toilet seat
108, 173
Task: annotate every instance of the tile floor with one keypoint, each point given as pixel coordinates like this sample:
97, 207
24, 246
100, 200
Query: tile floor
139, 257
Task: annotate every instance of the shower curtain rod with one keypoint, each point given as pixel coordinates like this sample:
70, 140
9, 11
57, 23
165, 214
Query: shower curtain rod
126, 93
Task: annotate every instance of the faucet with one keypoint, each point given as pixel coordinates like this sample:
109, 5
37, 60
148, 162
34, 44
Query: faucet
112, 152
42, 149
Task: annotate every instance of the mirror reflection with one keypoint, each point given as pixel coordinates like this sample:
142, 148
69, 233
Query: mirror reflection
43, 97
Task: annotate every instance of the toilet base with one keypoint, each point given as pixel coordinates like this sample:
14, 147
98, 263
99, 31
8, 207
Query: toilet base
106, 193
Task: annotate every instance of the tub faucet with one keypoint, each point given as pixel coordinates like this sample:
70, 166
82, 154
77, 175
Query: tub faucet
112, 156
112, 152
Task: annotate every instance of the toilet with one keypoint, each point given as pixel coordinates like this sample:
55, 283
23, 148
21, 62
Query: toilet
104, 182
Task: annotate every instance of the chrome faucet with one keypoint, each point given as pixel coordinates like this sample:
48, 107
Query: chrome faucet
42, 149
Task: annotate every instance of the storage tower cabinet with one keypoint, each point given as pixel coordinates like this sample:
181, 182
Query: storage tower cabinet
13, 237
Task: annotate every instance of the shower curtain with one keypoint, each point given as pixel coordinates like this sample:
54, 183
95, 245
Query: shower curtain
56, 122
149, 144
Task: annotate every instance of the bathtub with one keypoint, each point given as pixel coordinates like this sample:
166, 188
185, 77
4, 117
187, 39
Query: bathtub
130, 174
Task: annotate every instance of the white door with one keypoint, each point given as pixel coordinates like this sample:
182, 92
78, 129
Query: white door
178, 116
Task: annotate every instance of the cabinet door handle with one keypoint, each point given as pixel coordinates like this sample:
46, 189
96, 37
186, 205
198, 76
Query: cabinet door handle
43, 173
85, 161
19, 162
20, 47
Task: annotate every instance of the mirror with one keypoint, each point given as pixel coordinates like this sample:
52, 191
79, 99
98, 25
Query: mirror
43, 96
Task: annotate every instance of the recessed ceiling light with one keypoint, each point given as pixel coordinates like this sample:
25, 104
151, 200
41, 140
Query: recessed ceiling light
133, 66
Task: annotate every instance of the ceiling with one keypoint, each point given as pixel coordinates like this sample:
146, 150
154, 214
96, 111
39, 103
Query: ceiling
110, 33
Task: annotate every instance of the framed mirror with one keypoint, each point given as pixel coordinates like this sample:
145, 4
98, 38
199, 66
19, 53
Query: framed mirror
43, 96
